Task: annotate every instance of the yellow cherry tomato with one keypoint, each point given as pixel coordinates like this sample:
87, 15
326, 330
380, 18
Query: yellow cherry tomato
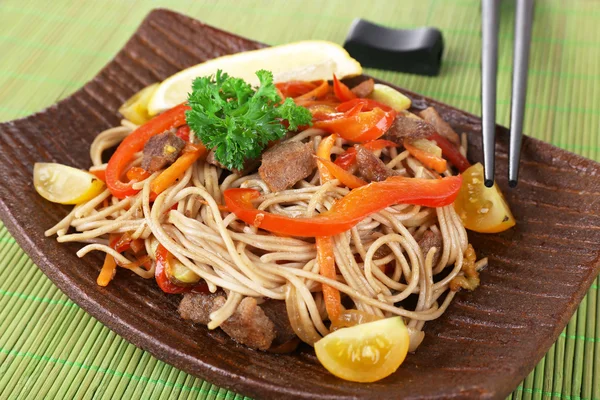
136, 108
480, 208
62, 184
365, 353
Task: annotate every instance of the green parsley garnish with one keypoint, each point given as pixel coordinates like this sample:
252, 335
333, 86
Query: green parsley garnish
238, 121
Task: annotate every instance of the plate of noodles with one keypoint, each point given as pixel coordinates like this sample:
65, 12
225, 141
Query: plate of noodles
286, 234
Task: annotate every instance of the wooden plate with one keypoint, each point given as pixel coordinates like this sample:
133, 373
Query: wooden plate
483, 346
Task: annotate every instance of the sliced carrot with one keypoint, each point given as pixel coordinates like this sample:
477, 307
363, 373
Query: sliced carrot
429, 160
379, 144
137, 174
324, 152
321, 90
107, 272
326, 261
348, 179
325, 257
191, 153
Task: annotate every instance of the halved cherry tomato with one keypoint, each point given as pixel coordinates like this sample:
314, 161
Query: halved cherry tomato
482, 209
366, 352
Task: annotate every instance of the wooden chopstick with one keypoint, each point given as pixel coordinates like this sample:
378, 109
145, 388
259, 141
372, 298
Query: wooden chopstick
523, 23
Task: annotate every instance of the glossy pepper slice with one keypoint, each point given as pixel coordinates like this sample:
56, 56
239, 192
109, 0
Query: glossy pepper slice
358, 127
135, 142
342, 92
368, 105
351, 209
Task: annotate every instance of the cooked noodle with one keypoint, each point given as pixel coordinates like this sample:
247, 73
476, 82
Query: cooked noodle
244, 261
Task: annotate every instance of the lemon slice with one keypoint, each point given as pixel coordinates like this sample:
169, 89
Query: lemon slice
390, 97
62, 184
365, 353
136, 108
305, 60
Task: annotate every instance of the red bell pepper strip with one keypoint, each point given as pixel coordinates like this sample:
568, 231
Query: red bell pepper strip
368, 105
354, 110
125, 242
379, 144
184, 133
342, 92
321, 111
346, 159
451, 152
295, 88
120, 243
362, 127
173, 118
162, 259
320, 91
351, 209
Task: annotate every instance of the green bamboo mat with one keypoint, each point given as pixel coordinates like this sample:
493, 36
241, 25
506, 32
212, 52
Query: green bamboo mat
50, 348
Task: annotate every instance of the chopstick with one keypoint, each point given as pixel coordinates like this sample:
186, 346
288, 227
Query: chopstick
523, 22
490, 21
490, 12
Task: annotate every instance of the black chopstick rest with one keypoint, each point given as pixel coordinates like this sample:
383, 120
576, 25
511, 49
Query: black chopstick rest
416, 51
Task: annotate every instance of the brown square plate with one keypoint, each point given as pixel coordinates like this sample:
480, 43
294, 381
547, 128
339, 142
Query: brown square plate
483, 346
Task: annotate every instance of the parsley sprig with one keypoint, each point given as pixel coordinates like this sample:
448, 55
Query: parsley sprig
238, 121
